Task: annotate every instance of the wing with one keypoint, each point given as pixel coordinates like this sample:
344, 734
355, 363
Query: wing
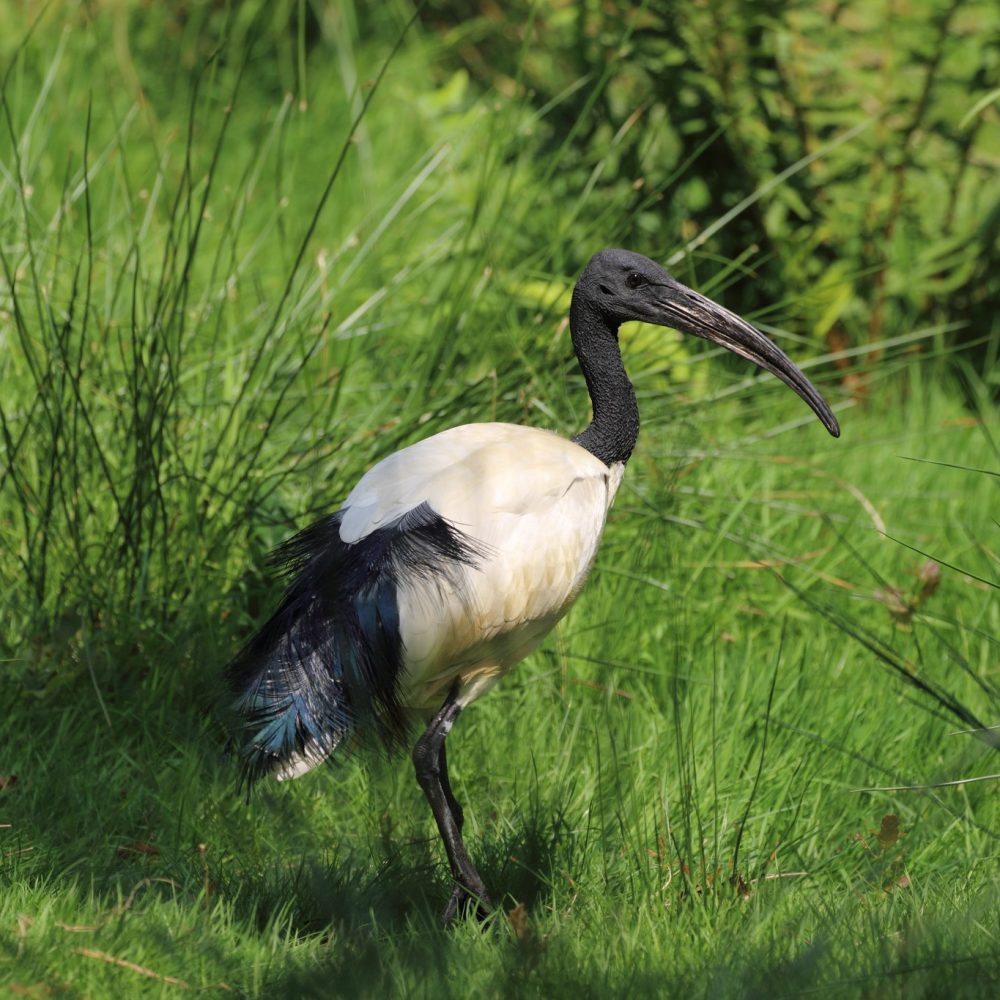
466, 473
328, 662
453, 555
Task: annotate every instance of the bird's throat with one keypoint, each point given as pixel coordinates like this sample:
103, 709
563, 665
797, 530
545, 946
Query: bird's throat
612, 433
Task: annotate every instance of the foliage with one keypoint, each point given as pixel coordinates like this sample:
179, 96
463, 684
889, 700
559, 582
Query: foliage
859, 140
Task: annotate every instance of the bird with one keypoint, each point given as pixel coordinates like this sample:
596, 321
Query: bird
452, 558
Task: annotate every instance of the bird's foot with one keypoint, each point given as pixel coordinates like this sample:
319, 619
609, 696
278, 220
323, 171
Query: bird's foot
465, 904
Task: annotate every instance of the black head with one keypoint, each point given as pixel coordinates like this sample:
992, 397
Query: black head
621, 286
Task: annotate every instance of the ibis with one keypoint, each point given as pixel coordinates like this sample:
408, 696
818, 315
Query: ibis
452, 558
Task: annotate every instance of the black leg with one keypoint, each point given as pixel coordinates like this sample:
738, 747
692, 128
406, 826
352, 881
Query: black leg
460, 901
453, 803
429, 760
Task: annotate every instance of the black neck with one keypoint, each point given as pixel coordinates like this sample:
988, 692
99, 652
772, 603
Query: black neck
612, 433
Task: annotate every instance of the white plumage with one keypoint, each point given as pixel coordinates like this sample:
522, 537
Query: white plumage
534, 501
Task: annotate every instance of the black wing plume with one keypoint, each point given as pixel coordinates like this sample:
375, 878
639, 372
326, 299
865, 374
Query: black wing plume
328, 662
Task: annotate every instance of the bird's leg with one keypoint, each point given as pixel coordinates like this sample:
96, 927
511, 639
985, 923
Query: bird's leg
429, 760
456, 807
460, 900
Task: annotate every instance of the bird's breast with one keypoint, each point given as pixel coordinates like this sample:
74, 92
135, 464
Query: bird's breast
530, 504
476, 625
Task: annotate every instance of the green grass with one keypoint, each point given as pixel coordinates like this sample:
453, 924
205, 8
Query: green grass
688, 789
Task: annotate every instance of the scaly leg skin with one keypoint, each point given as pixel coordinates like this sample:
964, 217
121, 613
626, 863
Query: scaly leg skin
429, 760
461, 904
456, 807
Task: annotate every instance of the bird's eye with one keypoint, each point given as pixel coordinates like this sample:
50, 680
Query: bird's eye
635, 279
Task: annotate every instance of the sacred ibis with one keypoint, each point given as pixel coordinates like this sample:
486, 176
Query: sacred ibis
452, 558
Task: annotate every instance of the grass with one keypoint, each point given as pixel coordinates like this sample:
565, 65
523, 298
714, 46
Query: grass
695, 787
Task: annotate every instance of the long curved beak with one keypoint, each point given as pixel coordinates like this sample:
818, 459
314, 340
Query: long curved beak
683, 309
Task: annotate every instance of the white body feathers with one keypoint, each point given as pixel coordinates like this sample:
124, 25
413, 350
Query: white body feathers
534, 501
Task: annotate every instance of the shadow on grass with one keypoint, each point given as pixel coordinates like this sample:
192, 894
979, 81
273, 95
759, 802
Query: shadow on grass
412, 885
377, 926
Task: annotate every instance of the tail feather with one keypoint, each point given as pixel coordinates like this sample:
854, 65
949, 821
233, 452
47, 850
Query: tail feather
327, 664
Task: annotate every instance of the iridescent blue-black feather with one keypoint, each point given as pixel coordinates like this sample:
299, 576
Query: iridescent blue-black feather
328, 662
